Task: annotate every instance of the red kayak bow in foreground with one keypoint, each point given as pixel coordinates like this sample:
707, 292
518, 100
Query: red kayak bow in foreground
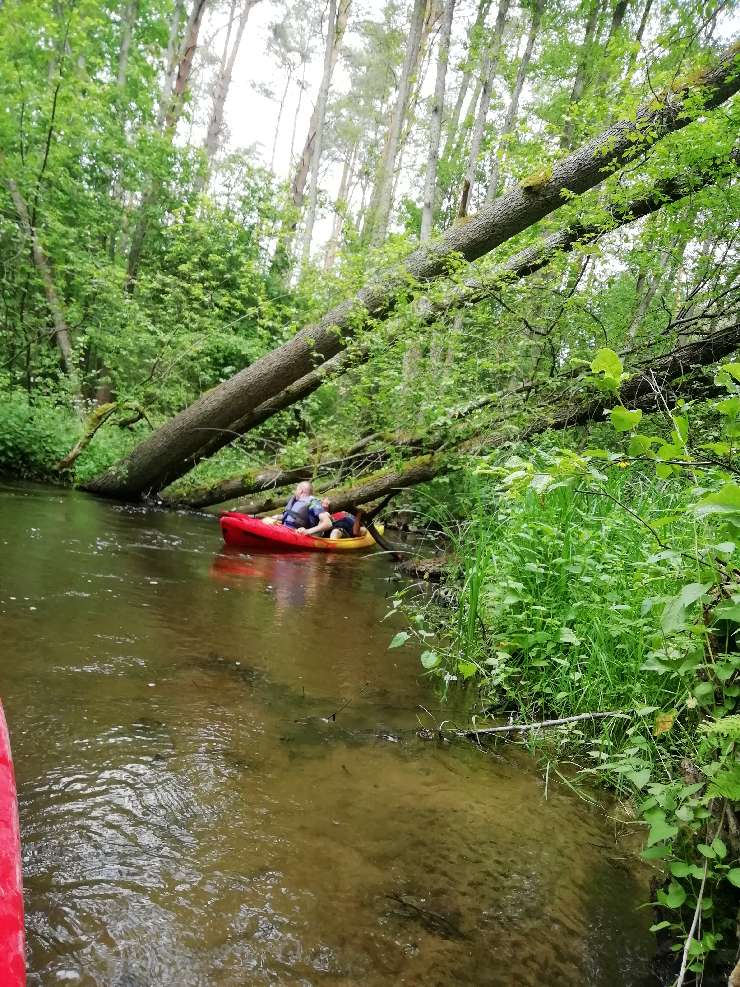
12, 939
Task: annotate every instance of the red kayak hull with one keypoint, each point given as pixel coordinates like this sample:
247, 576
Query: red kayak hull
252, 534
12, 938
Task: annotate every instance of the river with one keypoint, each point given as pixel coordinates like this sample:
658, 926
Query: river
189, 818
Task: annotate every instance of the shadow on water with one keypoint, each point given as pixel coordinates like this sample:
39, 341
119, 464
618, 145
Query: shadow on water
192, 815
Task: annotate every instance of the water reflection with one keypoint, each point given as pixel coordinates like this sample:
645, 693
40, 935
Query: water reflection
191, 817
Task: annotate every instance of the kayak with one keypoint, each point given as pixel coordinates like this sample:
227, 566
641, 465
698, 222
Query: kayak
247, 532
12, 939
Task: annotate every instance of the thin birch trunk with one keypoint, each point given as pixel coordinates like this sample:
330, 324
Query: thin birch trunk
318, 142
288, 78
171, 109
467, 74
487, 75
339, 23
379, 211
513, 108
340, 206
42, 265
582, 70
435, 126
214, 136
170, 61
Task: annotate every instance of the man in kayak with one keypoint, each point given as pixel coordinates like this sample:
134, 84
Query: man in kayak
304, 512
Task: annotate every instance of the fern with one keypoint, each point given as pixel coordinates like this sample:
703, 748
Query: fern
728, 726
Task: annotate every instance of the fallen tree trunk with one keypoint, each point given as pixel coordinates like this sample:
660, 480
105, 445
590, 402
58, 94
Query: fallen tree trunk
526, 262
658, 384
166, 452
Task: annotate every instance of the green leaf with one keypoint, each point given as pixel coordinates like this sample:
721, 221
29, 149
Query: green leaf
674, 897
723, 501
733, 876
706, 851
467, 668
400, 639
726, 784
674, 613
624, 420
639, 778
660, 829
568, 636
429, 659
607, 362
719, 848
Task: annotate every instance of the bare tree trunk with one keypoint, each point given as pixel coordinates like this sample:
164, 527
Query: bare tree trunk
172, 111
340, 205
164, 454
435, 125
127, 30
488, 73
335, 34
223, 82
378, 214
41, 263
585, 57
288, 78
513, 108
467, 74
170, 61
318, 141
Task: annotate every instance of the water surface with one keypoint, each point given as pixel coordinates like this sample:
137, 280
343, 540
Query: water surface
189, 818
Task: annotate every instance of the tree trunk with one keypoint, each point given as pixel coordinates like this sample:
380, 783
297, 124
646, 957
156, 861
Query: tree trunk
488, 74
378, 213
41, 263
585, 57
127, 30
470, 292
340, 205
166, 451
318, 142
170, 61
513, 108
467, 75
171, 108
223, 82
435, 125
335, 34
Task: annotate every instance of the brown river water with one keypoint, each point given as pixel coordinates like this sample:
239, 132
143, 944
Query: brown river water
188, 818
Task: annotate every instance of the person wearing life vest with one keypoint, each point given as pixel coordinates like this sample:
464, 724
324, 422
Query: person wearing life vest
304, 512
343, 524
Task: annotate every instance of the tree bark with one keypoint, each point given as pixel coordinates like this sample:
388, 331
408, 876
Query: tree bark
488, 74
172, 106
332, 31
435, 125
471, 292
214, 135
467, 74
513, 107
340, 205
42, 265
165, 453
378, 213
582, 69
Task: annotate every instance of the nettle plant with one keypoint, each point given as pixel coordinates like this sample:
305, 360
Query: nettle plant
685, 766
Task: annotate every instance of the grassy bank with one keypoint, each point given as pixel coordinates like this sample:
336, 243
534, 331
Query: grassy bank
613, 592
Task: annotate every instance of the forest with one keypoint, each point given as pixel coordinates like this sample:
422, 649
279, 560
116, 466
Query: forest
480, 257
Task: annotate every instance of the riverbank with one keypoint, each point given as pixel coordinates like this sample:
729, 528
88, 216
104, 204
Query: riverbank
574, 602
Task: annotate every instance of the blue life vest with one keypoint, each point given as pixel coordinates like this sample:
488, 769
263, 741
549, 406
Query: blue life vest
302, 512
